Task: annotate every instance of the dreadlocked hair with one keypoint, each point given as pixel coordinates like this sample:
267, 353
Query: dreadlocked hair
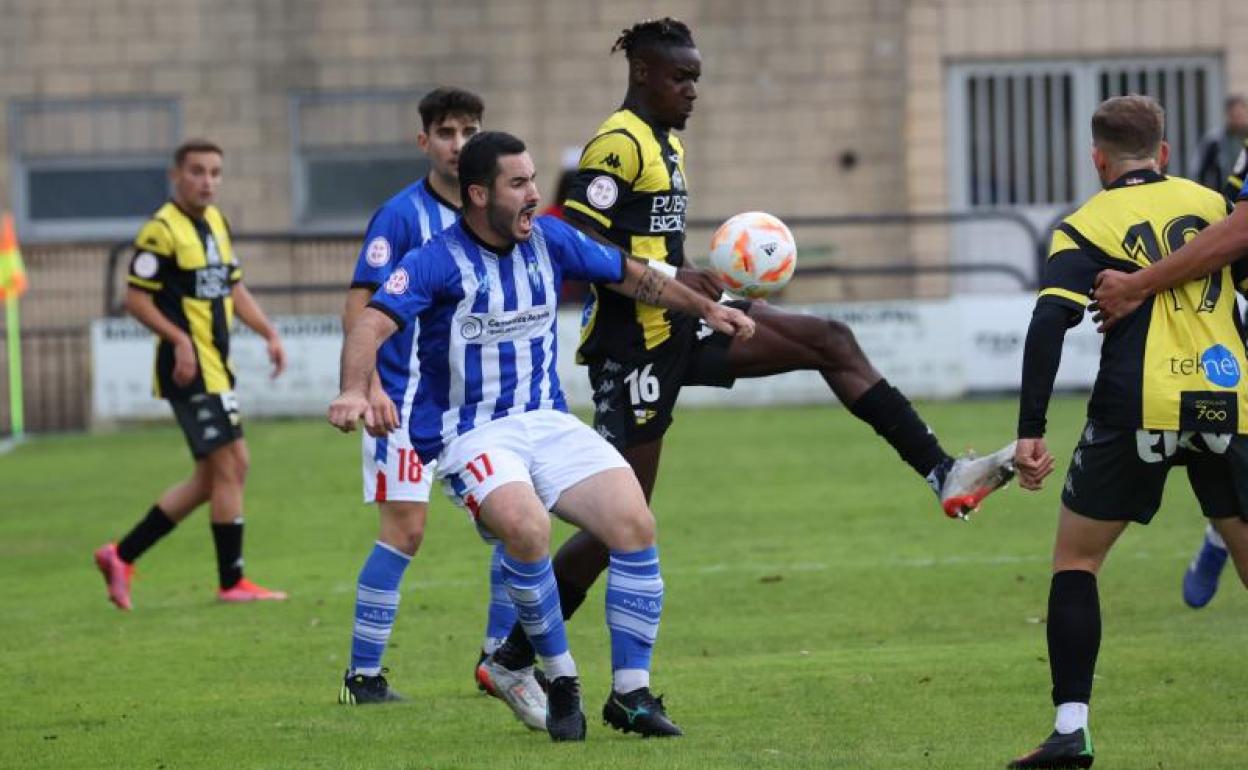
651, 33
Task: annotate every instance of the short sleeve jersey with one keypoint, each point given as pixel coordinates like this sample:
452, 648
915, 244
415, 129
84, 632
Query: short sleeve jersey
631, 182
487, 345
1177, 362
406, 221
189, 267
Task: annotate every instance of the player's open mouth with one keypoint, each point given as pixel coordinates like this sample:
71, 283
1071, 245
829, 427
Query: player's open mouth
525, 220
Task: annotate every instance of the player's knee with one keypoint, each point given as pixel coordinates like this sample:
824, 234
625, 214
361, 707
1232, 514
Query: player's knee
230, 466
403, 525
525, 534
634, 532
838, 347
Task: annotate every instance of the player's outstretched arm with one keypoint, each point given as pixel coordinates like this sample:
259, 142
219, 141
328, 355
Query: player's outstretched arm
653, 287
1118, 294
250, 313
359, 358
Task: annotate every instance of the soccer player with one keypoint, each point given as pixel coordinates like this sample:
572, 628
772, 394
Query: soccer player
1170, 391
631, 191
1120, 293
185, 284
394, 477
490, 409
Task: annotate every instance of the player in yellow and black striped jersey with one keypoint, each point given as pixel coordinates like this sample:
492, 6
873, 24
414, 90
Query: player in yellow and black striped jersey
632, 189
185, 285
1172, 389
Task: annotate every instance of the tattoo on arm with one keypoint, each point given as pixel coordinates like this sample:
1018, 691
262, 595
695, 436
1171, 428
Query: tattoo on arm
650, 286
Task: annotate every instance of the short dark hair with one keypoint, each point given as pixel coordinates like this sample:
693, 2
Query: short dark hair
1129, 127
478, 160
195, 145
442, 103
653, 33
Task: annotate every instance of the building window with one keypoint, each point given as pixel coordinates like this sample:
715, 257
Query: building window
1020, 131
90, 168
352, 152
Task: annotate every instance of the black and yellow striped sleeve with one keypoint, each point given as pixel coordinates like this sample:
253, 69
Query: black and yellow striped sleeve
610, 165
1069, 273
153, 257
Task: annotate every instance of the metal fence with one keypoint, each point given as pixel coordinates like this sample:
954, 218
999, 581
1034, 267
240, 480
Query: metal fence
842, 258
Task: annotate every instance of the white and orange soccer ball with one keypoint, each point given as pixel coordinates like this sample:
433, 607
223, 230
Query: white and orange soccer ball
753, 254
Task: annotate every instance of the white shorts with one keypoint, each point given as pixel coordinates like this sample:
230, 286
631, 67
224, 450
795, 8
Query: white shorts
393, 470
548, 450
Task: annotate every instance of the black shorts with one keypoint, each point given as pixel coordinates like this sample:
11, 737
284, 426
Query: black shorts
633, 401
1117, 474
209, 421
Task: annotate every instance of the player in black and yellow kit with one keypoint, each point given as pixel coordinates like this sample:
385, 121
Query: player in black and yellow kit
185, 285
1172, 389
631, 190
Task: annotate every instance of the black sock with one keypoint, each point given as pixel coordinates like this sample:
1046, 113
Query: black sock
229, 541
1074, 631
885, 409
151, 528
517, 651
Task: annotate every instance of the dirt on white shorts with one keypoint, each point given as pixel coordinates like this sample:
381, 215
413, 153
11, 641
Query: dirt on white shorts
548, 450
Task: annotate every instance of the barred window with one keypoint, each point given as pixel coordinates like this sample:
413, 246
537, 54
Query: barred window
90, 168
352, 152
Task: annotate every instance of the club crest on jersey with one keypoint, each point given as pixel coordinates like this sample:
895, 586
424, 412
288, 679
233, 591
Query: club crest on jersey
397, 282
678, 180
146, 264
602, 192
378, 252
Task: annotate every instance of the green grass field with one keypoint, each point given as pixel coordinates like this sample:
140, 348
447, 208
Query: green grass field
821, 613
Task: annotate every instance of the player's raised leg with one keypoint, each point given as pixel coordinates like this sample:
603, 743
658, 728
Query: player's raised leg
785, 342
1074, 638
610, 505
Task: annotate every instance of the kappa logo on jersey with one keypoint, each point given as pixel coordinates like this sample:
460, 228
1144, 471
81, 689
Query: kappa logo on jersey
378, 252
612, 160
602, 192
535, 274
397, 282
146, 264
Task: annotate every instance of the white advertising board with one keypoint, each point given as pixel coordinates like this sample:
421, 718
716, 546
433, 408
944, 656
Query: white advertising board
929, 349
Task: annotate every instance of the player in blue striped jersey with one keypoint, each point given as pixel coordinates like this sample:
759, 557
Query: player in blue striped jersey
394, 477
489, 408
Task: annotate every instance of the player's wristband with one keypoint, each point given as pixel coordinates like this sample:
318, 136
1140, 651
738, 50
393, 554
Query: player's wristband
663, 267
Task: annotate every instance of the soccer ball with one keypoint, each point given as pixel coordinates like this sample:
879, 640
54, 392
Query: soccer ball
753, 254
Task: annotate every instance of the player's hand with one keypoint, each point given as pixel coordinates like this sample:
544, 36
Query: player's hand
1033, 462
730, 321
384, 410
701, 282
1114, 297
185, 367
348, 409
277, 356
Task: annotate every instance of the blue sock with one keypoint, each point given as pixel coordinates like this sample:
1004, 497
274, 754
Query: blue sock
634, 604
376, 604
502, 613
531, 586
